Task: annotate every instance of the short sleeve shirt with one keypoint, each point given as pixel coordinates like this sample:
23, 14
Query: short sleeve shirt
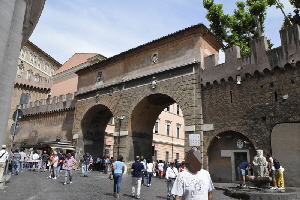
137, 169
193, 186
119, 165
243, 165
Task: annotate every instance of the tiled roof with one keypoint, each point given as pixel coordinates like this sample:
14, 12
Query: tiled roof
75, 60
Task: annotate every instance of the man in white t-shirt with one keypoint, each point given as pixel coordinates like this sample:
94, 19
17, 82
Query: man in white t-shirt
194, 182
3, 159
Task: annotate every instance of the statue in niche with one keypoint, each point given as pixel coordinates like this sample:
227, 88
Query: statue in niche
99, 77
260, 165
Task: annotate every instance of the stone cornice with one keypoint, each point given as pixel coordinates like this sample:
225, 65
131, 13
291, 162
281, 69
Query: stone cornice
32, 15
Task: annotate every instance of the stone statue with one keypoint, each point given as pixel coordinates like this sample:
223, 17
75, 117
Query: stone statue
260, 165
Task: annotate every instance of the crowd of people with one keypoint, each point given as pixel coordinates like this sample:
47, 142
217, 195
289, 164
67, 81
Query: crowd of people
180, 178
185, 180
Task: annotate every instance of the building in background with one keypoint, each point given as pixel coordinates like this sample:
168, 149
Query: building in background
34, 78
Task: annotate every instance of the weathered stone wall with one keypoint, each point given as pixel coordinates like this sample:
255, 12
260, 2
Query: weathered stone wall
44, 127
182, 90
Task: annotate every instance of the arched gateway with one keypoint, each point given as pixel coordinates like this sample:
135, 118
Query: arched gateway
138, 85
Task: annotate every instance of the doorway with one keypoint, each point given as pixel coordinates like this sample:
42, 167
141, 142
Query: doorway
239, 157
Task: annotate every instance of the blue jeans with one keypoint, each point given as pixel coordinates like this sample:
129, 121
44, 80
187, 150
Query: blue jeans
68, 173
170, 186
58, 170
15, 167
117, 182
149, 175
86, 170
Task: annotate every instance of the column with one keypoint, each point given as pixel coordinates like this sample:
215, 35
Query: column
10, 61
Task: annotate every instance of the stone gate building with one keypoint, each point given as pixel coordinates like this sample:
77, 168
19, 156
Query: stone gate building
237, 107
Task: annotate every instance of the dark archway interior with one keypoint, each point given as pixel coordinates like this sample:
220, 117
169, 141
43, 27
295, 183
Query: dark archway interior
93, 127
221, 167
143, 120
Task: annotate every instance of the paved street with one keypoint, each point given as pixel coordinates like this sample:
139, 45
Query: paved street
30, 185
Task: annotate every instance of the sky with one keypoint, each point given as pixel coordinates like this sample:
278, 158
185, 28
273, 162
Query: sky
110, 27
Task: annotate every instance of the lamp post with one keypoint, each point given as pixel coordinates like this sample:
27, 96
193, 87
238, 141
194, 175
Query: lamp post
118, 137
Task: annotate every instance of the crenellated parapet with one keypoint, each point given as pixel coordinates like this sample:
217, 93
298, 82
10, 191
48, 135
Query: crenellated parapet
259, 59
55, 104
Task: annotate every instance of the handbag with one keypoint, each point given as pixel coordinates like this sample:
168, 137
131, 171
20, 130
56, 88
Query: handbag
111, 176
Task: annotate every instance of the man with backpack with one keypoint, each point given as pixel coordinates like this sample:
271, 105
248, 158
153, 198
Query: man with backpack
272, 170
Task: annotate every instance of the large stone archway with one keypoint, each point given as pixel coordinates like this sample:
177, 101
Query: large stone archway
142, 121
93, 125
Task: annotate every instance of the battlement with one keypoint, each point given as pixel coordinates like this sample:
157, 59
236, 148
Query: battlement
63, 102
260, 58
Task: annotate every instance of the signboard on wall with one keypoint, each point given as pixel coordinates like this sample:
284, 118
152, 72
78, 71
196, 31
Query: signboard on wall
194, 140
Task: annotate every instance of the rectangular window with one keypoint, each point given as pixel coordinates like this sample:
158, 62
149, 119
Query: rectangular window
178, 131
167, 156
155, 155
177, 156
156, 127
107, 150
168, 130
168, 108
178, 110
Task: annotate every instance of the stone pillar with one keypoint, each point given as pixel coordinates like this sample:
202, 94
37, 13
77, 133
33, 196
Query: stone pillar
6, 15
13, 23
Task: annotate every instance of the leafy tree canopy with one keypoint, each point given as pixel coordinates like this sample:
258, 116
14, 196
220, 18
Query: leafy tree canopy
294, 19
246, 22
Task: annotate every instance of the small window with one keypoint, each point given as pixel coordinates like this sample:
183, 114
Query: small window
178, 110
177, 156
155, 155
178, 131
168, 108
156, 127
167, 156
168, 129
107, 150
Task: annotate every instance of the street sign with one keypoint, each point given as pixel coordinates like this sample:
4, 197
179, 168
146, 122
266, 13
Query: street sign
18, 114
25, 98
14, 129
194, 139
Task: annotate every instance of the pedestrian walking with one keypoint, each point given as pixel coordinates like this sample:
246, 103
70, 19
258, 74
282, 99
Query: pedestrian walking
86, 164
118, 170
171, 175
194, 182
45, 158
68, 163
61, 159
53, 165
143, 161
15, 163
272, 171
160, 169
280, 178
137, 173
150, 169
3, 161
22, 160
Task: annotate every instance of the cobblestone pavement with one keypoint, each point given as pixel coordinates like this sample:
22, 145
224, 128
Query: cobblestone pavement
32, 185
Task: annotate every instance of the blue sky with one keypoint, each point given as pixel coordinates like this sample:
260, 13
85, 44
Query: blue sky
111, 27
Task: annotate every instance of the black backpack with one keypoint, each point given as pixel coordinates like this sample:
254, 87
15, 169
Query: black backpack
276, 163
